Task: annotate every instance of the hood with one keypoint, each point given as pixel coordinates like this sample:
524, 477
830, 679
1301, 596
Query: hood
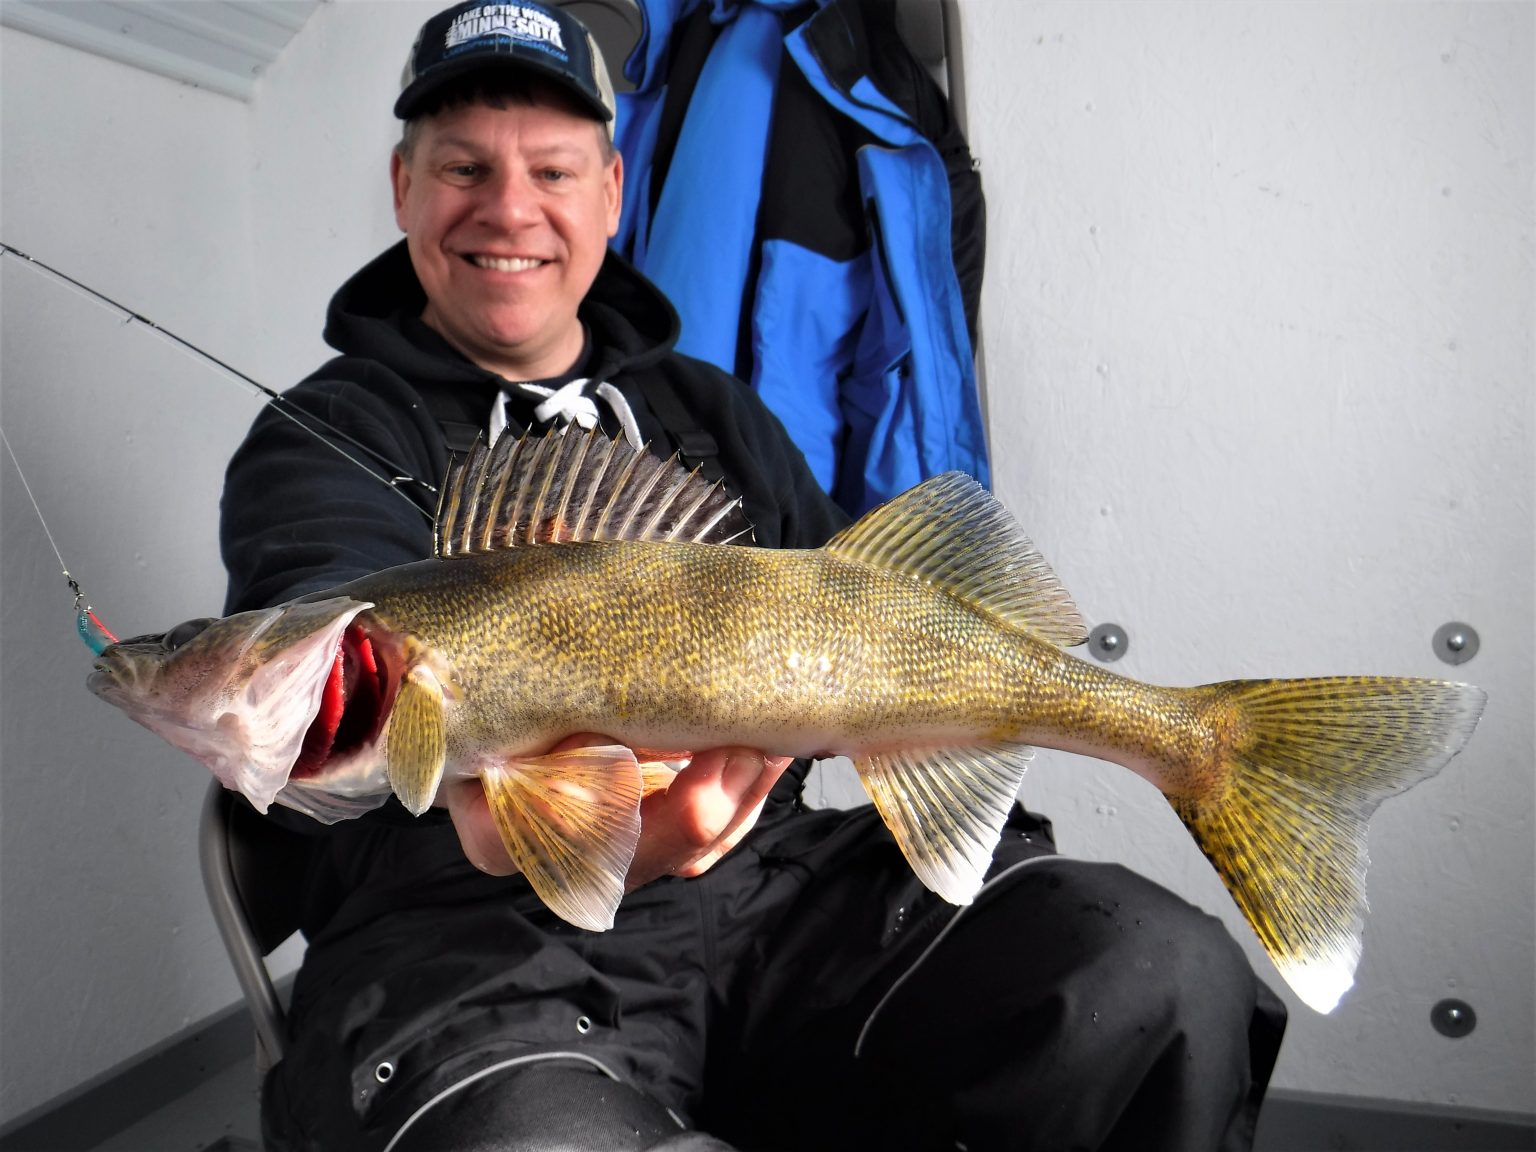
376, 315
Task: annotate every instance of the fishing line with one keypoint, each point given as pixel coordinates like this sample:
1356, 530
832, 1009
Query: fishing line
90, 627
274, 400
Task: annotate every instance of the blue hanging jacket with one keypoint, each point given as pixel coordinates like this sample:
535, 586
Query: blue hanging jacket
783, 189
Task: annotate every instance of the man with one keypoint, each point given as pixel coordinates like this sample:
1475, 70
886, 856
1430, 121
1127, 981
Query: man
776, 978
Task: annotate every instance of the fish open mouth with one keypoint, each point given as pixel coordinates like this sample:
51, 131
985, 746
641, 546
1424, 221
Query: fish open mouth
353, 704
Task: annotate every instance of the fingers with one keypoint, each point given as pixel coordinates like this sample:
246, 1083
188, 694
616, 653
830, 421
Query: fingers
472, 819
711, 856
706, 812
685, 830
765, 773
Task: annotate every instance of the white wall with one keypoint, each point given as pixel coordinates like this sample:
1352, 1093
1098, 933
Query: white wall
1258, 321
230, 224
321, 133
137, 186
1258, 342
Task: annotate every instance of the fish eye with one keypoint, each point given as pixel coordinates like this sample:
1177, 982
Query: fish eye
183, 632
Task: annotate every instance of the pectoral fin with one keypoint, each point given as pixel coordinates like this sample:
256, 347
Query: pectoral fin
570, 821
946, 807
417, 741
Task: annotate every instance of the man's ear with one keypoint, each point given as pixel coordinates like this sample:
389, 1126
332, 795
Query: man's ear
400, 180
613, 191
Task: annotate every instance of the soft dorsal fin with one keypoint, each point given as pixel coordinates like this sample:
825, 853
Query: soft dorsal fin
950, 532
571, 485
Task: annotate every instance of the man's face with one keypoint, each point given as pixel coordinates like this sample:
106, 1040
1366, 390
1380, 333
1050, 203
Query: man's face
507, 214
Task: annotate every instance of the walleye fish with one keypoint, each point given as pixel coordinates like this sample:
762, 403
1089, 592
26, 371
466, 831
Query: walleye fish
579, 586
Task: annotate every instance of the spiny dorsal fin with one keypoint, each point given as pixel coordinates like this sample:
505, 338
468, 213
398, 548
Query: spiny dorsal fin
950, 532
573, 485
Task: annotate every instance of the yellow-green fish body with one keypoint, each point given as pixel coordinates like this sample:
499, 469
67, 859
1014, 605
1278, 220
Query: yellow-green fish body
802, 652
583, 588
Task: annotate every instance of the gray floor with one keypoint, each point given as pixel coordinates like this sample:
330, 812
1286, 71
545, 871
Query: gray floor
219, 1115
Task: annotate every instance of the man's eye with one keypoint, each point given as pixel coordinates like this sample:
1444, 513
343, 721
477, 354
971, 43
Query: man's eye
464, 171
555, 175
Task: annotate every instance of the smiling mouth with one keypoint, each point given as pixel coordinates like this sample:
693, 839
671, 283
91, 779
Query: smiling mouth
505, 263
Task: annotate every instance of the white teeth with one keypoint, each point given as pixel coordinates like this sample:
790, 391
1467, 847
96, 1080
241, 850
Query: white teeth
500, 264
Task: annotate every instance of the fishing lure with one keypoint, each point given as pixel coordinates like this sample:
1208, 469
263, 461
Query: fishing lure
92, 631
95, 634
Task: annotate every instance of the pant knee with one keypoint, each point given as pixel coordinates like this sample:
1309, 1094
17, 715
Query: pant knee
1085, 941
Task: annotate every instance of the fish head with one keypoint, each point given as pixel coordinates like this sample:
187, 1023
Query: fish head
238, 693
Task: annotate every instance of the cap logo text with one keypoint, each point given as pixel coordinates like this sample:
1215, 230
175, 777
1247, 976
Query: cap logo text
508, 19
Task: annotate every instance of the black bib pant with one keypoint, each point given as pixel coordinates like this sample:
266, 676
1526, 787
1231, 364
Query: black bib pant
807, 993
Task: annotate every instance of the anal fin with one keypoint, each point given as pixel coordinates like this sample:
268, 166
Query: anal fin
416, 744
946, 808
570, 821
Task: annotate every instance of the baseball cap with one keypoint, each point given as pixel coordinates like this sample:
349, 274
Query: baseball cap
537, 38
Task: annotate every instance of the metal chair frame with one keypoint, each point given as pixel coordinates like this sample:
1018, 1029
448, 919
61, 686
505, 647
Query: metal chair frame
229, 888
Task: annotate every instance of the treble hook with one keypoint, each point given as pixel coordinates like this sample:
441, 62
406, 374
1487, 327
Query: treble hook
95, 634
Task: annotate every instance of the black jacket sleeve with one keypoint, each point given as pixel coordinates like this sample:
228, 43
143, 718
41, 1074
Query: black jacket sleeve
297, 516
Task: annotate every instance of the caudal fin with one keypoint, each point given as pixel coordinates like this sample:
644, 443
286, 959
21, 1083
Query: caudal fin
1306, 763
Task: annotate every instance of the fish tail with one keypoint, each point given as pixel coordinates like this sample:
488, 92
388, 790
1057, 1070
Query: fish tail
1281, 811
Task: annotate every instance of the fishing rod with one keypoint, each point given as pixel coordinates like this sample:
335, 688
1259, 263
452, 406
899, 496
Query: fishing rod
91, 630
273, 399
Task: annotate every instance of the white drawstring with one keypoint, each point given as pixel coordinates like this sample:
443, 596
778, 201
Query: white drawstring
570, 403
624, 412
498, 416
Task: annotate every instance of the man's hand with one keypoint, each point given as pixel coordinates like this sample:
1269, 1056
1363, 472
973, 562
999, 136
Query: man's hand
684, 831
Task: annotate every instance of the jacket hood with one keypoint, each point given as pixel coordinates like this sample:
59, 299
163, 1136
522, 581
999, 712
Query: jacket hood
377, 315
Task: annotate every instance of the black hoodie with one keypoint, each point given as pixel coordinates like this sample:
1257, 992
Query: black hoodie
297, 516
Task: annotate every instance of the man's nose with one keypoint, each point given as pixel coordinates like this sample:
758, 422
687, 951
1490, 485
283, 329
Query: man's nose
507, 201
